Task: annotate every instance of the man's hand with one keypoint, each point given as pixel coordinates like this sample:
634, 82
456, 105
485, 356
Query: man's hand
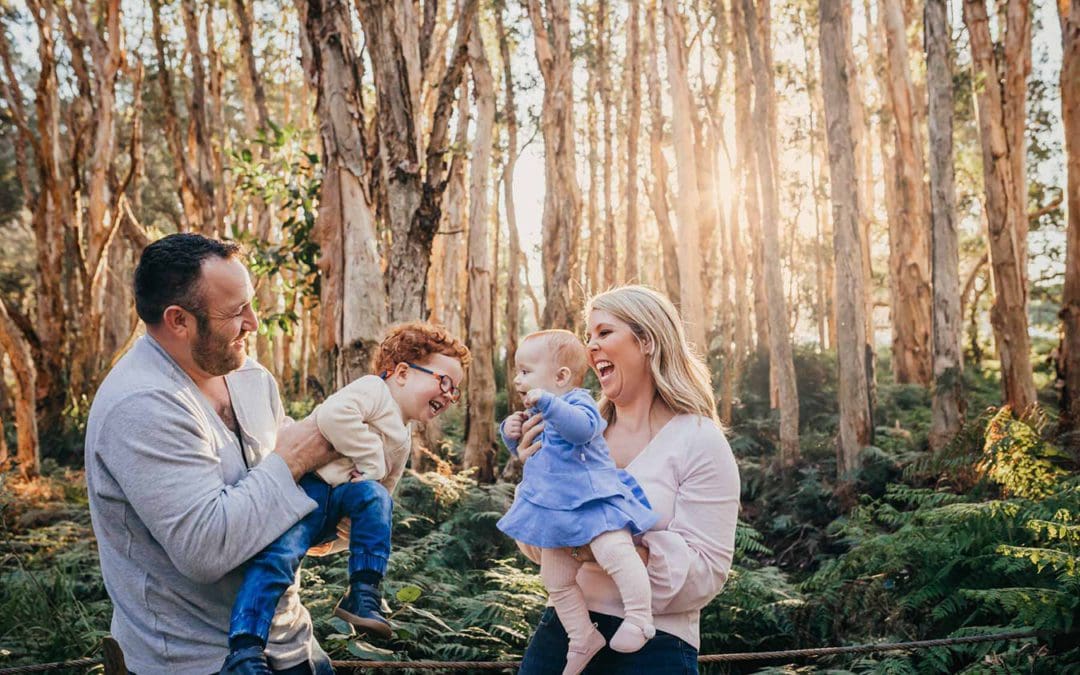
303, 447
530, 436
512, 425
533, 397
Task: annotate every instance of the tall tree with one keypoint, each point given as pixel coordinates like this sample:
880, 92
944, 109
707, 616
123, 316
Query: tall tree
630, 266
480, 447
353, 297
746, 175
413, 167
855, 423
688, 203
603, 67
1069, 12
909, 249
947, 390
658, 197
13, 343
1001, 98
592, 254
514, 255
781, 360
200, 128
562, 197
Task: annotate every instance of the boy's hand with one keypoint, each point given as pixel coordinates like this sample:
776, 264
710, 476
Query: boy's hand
533, 397
512, 425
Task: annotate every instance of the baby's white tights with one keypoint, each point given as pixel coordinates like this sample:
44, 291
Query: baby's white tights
614, 552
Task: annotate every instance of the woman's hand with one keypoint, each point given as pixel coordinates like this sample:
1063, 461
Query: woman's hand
530, 436
583, 554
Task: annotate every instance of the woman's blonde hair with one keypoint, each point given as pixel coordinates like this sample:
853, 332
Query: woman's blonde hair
682, 379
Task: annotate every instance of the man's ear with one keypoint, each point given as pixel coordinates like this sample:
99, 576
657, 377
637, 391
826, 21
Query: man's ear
178, 321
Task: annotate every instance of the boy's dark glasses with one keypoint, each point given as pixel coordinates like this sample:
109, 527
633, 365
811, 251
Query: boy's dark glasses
445, 383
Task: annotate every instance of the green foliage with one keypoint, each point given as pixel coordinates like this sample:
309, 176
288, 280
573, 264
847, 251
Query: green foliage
53, 604
476, 601
930, 563
277, 171
1018, 460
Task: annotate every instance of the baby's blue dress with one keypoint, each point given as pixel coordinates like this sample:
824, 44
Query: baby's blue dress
571, 490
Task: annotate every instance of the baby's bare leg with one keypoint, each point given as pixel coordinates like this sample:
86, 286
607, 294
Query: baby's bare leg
614, 551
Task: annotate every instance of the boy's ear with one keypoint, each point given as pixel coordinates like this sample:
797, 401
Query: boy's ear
400, 371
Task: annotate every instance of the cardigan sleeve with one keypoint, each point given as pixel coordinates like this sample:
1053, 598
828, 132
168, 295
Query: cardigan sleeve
161, 458
575, 417
690, 559
344, 419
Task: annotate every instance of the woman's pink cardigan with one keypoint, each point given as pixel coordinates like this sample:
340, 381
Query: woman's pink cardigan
690, 477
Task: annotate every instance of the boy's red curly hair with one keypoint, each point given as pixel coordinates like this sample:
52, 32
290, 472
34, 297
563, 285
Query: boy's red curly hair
415, 341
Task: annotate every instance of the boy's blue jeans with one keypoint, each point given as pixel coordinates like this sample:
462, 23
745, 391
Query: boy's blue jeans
273, 570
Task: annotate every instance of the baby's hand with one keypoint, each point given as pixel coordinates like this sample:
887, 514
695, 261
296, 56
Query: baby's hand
512, 425
533, 397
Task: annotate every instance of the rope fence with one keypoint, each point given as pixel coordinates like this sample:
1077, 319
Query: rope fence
113, 658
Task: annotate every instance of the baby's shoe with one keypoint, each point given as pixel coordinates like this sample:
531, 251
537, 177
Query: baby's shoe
246, 661
578, 656
361, 607
631, 637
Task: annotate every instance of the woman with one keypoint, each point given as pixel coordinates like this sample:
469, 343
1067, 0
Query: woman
662, 428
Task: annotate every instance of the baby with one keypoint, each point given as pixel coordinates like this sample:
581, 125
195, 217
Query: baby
572, 495
367, 421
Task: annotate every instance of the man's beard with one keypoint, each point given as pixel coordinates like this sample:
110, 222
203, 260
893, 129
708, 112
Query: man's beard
213, 353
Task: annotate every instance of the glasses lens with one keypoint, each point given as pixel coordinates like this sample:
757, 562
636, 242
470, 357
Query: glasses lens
447, 386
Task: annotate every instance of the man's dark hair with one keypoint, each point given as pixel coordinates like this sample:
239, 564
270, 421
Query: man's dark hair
169, 272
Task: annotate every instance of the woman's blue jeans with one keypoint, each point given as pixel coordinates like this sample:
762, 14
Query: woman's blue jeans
665, 653
273, 570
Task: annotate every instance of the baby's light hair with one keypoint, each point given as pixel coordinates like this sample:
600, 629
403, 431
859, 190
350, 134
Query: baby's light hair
567, 351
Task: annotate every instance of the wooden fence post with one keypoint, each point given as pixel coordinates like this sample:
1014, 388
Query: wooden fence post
114, 657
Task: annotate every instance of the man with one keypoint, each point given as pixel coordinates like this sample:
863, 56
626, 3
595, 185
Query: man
191, 468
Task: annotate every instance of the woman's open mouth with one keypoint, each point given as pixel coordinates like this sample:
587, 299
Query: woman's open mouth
604, 369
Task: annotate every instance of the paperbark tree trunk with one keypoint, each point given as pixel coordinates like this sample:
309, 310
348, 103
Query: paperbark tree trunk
256, 116
909, 246
592, 246
562, 197
199, 128
947, 405
353, 296
781, 360
190, 218
449, 250
630, 254
854, 397
746, 178
1001, 101
28, 454
480, 447
413, 167
658, 198
688, 203
604, 50
50, 211
1069, 12
514, 256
